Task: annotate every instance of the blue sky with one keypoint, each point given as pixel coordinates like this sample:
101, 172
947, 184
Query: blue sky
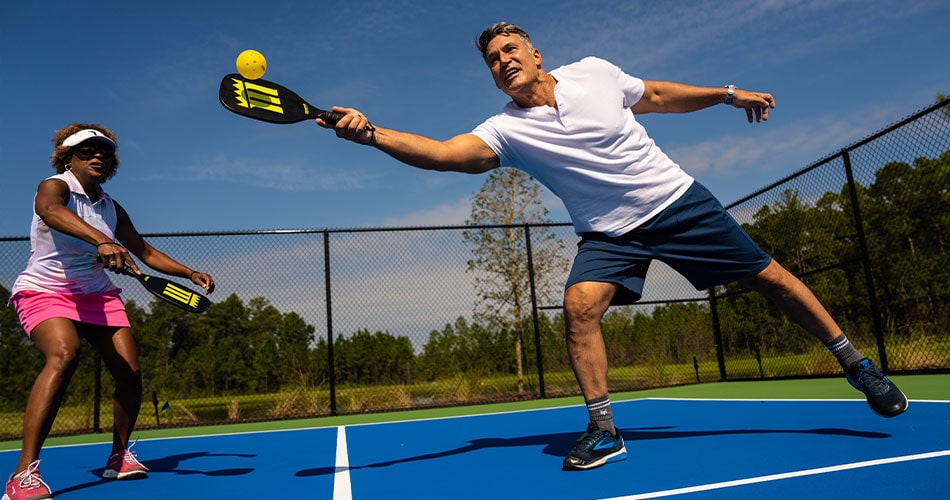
839, 70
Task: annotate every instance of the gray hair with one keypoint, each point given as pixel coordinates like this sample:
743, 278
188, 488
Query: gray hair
502, 28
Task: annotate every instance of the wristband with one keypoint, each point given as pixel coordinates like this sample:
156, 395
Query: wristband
731, 89
372, 138
106, 243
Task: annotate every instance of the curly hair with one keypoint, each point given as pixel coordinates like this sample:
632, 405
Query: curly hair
62, 154
502, 28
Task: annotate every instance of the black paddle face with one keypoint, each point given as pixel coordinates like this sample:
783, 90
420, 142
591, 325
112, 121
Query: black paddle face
268, 101
171, 292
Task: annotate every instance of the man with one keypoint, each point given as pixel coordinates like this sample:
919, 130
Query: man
574, 130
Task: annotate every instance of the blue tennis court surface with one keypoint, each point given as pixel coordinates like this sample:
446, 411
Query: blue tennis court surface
703, 449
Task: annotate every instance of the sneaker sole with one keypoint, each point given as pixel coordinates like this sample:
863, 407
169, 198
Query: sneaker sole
896, 413
617, 456
135, 474
38, 497
868, 397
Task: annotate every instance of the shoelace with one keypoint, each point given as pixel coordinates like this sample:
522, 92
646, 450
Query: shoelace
128, 456
873, 380
30, 478
591, 437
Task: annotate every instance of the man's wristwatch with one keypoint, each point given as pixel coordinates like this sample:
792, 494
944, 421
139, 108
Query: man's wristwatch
731, 89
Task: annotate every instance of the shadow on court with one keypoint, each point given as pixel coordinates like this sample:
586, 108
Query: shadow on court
560, 444
721, 449
172, 464
169, 464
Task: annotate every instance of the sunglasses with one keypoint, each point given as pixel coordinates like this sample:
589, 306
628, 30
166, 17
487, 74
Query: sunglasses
89, 150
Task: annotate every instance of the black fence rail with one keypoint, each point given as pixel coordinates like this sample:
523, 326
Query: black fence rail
338, 321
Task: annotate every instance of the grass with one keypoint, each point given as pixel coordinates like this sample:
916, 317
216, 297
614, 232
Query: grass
917, 387
460, 390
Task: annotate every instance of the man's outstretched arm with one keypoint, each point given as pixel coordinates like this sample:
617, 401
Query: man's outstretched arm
673, 97
463, 153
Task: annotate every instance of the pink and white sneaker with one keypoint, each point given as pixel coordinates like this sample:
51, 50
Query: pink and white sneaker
27, 485
124, 465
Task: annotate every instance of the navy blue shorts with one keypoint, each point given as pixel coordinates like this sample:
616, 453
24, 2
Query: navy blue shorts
695, 236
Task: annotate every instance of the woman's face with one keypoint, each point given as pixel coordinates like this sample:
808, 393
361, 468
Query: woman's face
92, 158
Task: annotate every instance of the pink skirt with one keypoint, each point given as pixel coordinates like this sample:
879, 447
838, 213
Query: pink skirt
104, 308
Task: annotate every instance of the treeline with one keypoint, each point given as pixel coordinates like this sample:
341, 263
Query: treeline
906, 221
239, 347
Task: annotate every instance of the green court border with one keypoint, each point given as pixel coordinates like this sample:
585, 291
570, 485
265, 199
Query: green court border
917, 387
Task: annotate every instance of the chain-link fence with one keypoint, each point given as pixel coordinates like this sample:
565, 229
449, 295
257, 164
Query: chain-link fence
320, 322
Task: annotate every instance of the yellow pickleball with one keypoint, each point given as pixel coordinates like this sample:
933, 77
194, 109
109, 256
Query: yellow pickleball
251, 64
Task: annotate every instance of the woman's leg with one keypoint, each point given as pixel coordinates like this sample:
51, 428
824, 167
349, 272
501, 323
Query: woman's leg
58, 340
117, 348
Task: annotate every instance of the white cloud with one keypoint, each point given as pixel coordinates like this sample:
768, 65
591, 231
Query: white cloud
783, 149
286, 176
445, 214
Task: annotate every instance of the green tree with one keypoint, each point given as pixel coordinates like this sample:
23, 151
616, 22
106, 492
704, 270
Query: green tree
279, 344
508, 200
442, 354
165, 339
907, 214
373, 358
217, 360
294, 338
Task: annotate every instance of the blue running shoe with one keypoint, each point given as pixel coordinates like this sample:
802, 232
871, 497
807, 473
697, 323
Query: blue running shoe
883, 396
595, 448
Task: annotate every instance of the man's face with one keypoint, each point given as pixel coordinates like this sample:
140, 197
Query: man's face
513, 65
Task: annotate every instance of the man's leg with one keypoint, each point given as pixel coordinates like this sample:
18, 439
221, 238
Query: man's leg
797, 301
794, 299
584, 305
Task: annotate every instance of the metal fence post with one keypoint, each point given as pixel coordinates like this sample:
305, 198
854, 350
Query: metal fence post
534, 310
717, 334
97, 392
865, 261
326, 284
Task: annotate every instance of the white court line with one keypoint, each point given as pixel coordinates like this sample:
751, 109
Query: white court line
786, 475
341, 478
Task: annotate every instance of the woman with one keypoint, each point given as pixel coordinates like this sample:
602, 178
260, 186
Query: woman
64, 295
